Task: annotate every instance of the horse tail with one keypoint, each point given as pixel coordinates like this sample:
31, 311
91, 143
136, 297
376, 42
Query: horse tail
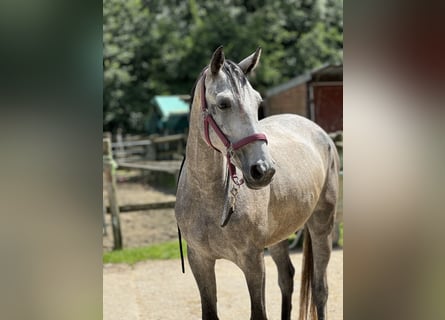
307, 305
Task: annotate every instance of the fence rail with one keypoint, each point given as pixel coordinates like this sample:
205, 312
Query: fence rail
148, 148
144, 206
169, 166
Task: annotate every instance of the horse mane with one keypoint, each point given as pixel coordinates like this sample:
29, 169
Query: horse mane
192, 93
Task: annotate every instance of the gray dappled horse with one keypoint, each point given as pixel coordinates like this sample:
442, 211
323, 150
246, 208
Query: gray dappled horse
290, 167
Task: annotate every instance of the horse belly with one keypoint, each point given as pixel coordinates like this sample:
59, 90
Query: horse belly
284, 221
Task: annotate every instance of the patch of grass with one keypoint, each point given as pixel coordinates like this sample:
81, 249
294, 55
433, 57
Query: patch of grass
162, 251
291, 240
167, 250
340, 240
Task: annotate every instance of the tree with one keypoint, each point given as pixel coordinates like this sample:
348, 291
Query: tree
123, 22
154, 47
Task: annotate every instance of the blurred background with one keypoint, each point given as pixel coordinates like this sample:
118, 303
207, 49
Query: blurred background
153, 48
53, 116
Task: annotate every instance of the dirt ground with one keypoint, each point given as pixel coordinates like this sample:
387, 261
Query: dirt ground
142, 228
158, 290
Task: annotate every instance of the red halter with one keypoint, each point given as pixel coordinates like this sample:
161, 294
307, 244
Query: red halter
208, 120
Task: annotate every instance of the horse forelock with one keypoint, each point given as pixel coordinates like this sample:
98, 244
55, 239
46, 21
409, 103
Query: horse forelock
236, 78
234, 74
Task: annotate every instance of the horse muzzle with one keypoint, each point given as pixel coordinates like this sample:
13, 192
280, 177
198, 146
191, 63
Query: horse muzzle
260, 175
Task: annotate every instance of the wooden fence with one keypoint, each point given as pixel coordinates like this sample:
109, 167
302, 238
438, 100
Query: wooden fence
137, 149
138, 155
109, 169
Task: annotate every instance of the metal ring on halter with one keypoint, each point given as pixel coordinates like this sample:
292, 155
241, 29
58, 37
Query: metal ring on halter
230, 150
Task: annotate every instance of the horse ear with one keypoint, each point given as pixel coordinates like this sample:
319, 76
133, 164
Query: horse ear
217, 60
250, 63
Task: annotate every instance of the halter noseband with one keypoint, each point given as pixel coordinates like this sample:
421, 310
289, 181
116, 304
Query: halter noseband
231, 147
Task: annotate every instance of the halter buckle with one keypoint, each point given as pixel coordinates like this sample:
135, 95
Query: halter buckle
236, 180
205, 113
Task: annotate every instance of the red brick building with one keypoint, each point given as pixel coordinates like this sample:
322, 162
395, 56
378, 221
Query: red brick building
317, 95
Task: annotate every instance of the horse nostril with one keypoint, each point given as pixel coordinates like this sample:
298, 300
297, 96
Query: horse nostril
257, 171
271, 171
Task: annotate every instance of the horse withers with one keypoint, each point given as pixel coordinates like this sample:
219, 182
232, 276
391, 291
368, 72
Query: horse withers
246, 185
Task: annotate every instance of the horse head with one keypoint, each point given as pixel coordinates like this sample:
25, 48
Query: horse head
231, 106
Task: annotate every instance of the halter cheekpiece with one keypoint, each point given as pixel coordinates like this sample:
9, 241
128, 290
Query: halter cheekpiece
230, 147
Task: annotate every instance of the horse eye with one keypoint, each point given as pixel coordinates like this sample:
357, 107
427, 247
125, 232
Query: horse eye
224, 105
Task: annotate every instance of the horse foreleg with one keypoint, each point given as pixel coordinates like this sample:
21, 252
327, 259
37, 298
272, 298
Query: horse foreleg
254, 272
286, 271
203, 269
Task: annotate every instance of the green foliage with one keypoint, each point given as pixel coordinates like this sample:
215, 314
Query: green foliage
340, 240
167, 250
159, 46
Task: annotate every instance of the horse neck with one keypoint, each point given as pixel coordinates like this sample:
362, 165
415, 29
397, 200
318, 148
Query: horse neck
205, 166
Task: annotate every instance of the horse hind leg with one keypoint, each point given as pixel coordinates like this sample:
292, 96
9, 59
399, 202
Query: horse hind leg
286, 271
321, 252
203, 269
319, 236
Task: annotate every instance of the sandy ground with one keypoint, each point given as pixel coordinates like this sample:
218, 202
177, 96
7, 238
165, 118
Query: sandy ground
157, 290
142, 228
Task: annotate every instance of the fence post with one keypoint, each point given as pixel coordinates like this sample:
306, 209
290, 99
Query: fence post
104, 224
109, 170
120, 156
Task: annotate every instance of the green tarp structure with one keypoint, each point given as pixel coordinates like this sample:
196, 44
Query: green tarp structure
170, 116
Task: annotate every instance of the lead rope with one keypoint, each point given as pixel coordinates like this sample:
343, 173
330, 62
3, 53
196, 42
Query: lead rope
180, 250
229, 202
179, 230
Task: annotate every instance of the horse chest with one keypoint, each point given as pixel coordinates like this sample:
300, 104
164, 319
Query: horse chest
200, 221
